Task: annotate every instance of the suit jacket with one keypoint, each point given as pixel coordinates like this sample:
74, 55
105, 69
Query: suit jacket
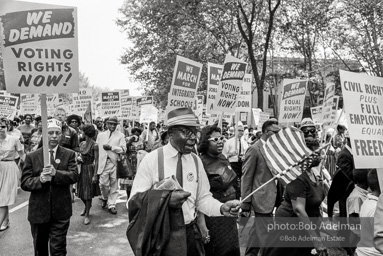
255, 173
118, 144
51, 199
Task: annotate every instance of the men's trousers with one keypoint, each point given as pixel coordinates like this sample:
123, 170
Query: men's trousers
109, 184
237, 168
258, 232
52, 233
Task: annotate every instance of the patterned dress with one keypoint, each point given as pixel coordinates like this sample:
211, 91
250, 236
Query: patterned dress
132, 157
86, 189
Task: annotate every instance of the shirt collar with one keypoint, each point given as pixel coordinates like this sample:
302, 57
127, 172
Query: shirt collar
348, 148
361, 189
54, 149
172, 151
372, 197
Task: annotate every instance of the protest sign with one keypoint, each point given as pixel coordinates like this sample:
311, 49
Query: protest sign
149, 113
316, 114
199, 107
126, 106
263, 117
214, 72
29, 104
256, 115
184, 84
8, 106
81, 101
328, 103
230, 85
244, 98
292, 101
97, 108
363, 105
39, 47
147, 100
110, 104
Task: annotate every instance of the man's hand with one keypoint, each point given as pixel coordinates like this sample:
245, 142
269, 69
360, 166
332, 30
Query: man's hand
45, 177
177, 198
230, 208
107, 147
246, 207
49, 170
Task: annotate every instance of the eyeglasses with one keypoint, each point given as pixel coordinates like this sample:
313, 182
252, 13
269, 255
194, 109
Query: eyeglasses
74, 121
3, 126
216, 139
187, 132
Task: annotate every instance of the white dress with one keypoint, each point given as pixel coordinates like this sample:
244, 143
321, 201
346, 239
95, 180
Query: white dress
9, 172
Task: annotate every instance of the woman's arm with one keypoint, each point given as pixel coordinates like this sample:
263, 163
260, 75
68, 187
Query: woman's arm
95, 151
299, 208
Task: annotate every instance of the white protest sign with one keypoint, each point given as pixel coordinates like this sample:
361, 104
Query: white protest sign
29, 104
263, 117
110, 104
292, 101
81, 101
363, 104
230, 85
39, 46
214, 72
126, 106
184, 84
98, 108
147, 100
328, 103
149, 113
244, 98
8, 106
199, 107
256, 115
316, 114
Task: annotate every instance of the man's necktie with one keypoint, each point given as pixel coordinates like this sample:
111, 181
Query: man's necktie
239, 151
179, 169
52, 157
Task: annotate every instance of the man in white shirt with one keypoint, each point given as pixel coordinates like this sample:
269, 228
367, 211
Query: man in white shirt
234, 150
111, 143
176, 158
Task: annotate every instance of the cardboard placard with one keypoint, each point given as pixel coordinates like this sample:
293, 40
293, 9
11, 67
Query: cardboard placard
230, 85
363, 105
316, 114
110, 104
214, 73
40, 51
8, 106
244, 98
292, 101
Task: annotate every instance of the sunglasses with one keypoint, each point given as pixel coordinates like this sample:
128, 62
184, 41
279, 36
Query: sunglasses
74, 121
216, 139
308, 130
3, 126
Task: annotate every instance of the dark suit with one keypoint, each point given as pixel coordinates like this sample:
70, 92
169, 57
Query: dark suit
50, 203
255, 173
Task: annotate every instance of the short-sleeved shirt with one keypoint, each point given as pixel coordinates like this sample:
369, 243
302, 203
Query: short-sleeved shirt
302, 187
355, 200
367, 211
9, 148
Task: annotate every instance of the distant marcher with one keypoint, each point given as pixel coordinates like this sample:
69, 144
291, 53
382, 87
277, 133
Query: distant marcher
88, 186
10, 148
26, 130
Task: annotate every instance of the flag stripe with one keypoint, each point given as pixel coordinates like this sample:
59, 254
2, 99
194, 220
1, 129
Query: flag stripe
283, 151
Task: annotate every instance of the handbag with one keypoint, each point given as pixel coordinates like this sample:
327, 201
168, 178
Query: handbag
124, 167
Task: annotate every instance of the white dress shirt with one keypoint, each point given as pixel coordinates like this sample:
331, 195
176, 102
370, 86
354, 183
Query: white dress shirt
229, 148
147, 176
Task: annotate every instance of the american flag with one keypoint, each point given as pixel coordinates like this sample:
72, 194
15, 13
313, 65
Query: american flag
283, 151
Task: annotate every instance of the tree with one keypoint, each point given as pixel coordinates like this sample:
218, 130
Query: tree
255, 22
2, 78
358, 32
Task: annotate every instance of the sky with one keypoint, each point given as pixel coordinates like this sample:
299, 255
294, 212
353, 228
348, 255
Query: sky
100, 43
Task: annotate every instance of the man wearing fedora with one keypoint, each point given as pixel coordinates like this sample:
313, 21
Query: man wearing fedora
50, 206
173, 160
111, 143
69, 137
